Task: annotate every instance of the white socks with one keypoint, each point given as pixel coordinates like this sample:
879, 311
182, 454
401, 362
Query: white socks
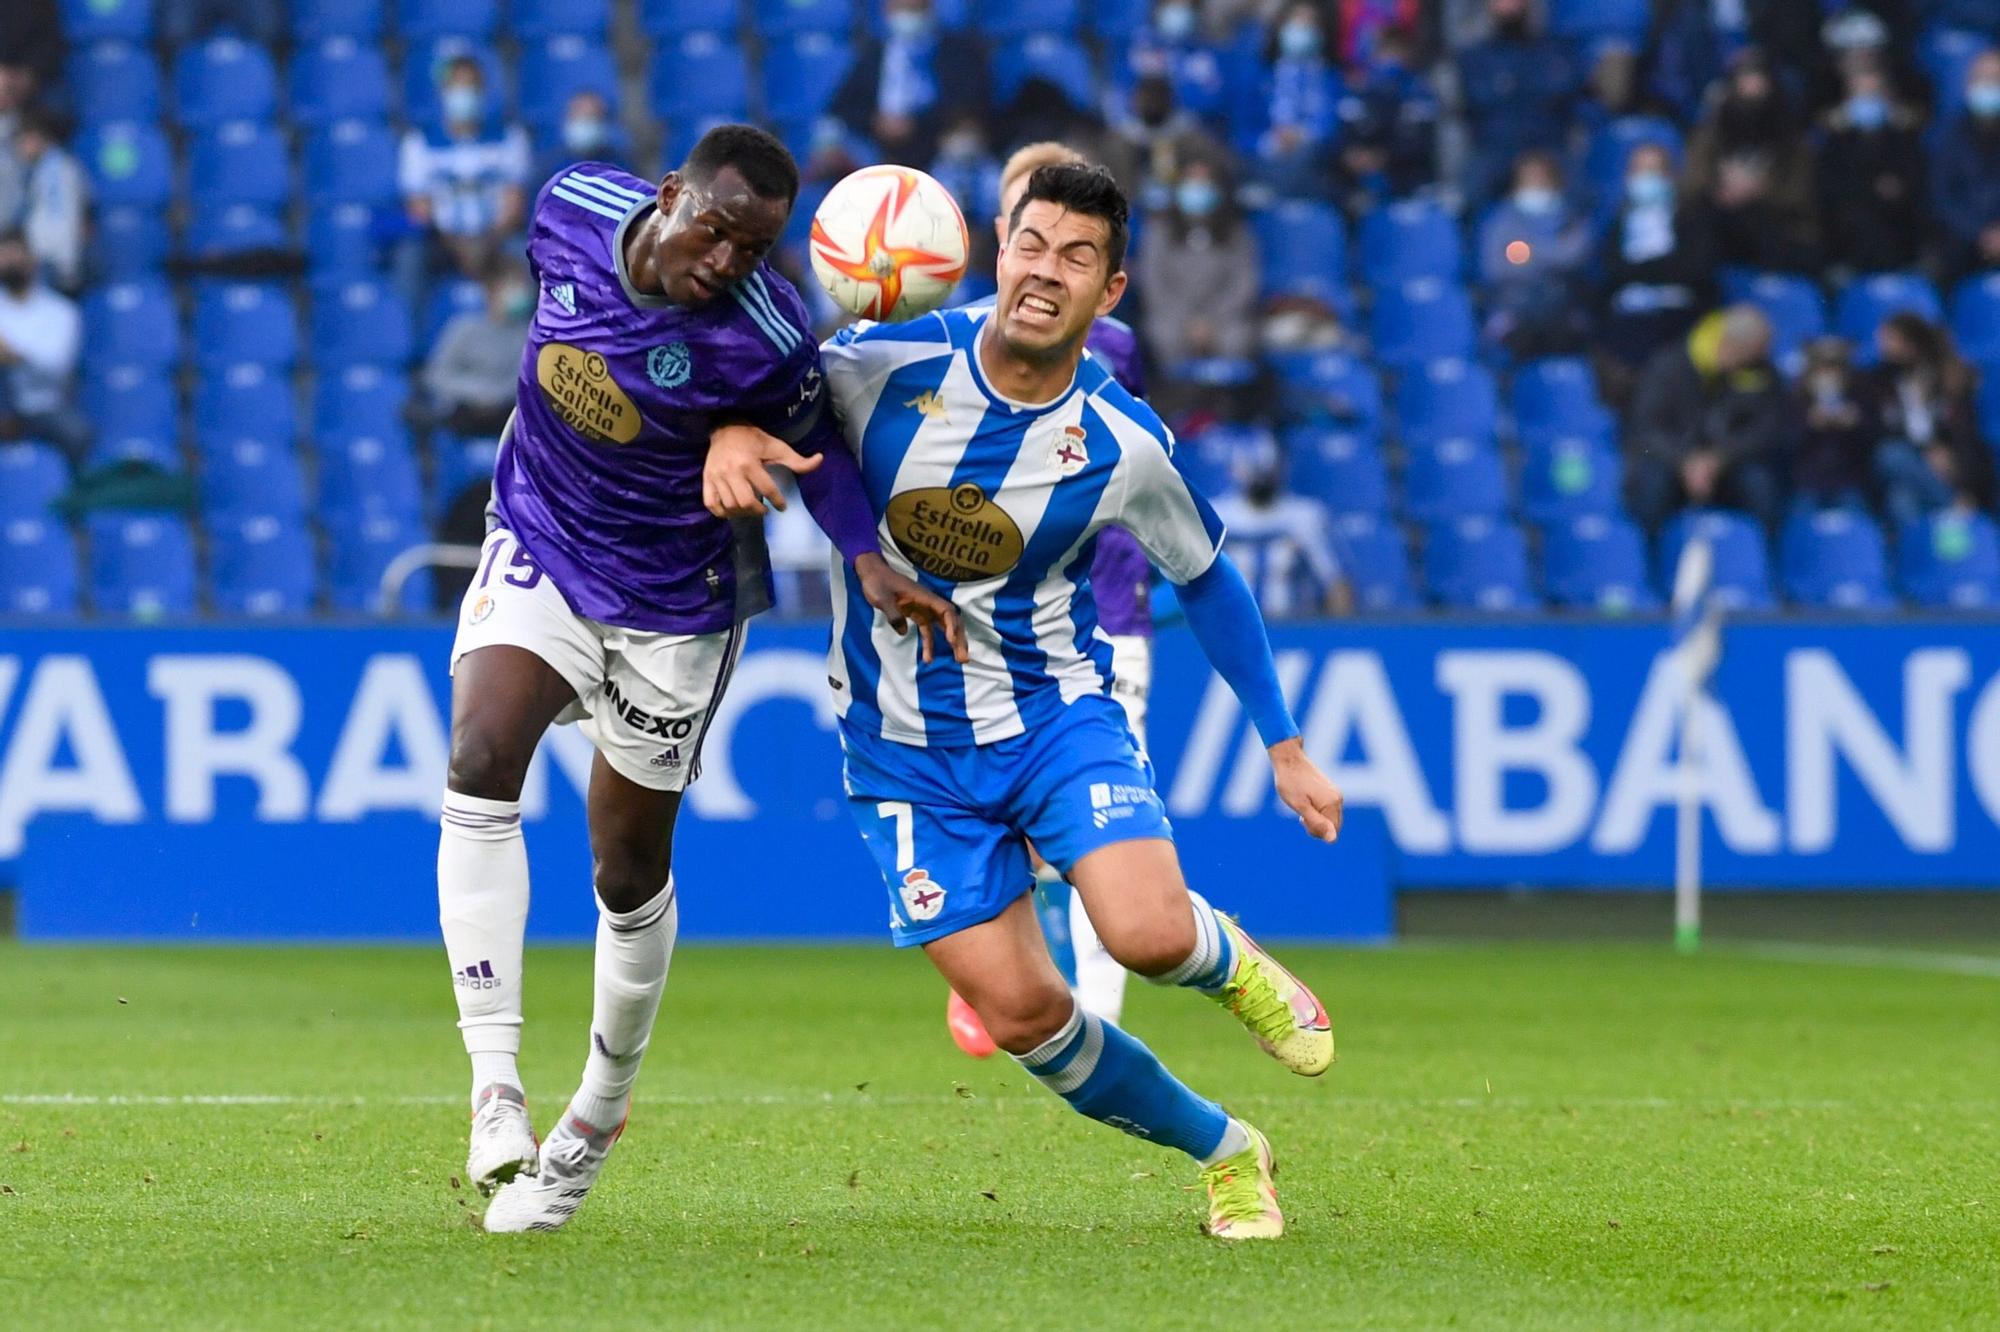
633, 950
1100, 979
1234, 1139
483, 907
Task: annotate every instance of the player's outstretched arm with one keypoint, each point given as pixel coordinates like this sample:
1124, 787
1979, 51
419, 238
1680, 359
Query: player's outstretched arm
1223, 614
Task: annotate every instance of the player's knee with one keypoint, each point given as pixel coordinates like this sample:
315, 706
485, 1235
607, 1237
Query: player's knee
1025, 1017
625, 883
1151, 945
485, 767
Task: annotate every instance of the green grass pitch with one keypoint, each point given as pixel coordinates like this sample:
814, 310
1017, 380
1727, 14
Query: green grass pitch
1516, 1136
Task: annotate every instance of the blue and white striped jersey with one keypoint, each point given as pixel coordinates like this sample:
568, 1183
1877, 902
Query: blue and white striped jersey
996, 504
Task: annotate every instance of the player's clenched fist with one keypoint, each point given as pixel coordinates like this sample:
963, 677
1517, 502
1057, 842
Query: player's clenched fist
736, 480
1306, 790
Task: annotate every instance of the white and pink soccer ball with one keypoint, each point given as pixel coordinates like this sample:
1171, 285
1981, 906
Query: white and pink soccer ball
889, 243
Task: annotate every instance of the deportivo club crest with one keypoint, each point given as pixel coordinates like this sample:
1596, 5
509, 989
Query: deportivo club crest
669, 366
922, 898
1067, 452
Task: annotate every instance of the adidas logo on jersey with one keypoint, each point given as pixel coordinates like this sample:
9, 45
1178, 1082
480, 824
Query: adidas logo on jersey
563, 294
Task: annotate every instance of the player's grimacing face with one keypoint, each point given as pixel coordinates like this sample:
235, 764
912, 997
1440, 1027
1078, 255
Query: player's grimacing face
712, 234
1054, 278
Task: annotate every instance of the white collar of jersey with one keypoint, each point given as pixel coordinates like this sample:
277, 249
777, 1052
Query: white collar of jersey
632, 293
1013, 404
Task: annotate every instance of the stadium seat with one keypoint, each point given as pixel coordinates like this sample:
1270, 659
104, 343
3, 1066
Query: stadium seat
1454, 478
1581, 20
1445, 398
260, 566
361, 551
340, 241
1376, 561
360, 400
1986, 404
131, 400
1742, 572
1303, 248
696, 75
787, 18
1328, 386
1950, 560
239, 163
32, 477
1341, 469
339, 79
1567, 478
245, 400
426, 20
132, 323
449, 298
802, 72
1975, 317
141, 564
86, 21
1423, 320
671, 20
1557, 397
1022, 18
129, 163
1405, 241
1610, 149
1478, 564
161, 452
351, 161
556, 69
221, 80
217, 231
1946, 54
244, 321
424, 64
359, 322
362, 476
250, 478
127, 243
1596, 562
1834, 559
114, 81
38, 568
1051, 57
1210, 458
318, 20
1871, 298
537, 20
459, 463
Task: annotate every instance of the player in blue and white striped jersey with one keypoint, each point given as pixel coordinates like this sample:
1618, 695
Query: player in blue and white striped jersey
993, 452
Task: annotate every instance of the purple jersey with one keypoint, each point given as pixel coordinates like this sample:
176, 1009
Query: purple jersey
1119, 573
599, 473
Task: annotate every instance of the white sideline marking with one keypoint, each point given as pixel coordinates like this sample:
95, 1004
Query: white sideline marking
1893, 959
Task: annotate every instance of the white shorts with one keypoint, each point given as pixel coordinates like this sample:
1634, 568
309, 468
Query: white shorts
644, 699
1132, 678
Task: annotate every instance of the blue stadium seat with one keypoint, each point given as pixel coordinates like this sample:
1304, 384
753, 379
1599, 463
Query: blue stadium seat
1946, 55
245, 321
424, 64
1742, 577
459, 463
1341, 469
1411, 239
696, 75
1596, 562
424, 20
1328, 386
671, 20
802, 73
361, 551
152, 450
1119, 20
1794, 307
534, 20
1986, 403
1950, 560
1583, 19
1427, 319
132, 400
1478, 564
251, 478
1871, 298
217, 231
556, 69
246, 400
114, 81
1557, 397
129, 163
1209, 459
317, 20
1444, 398
785, 18
132, 323
362, 476
1377, 562
260, 566
1022, 18
1303, 251
1610, 149
351, 161
1567, 478
127, 242
360, 400
339, 79
239, 163
1975, 317
1835, 559
455, 297
86, 21
141, 564
1052, 57
38, 568
340, 241
1454, 478
359, 322
32, 477
223, 79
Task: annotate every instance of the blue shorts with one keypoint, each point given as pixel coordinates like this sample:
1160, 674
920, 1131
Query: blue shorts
949, 827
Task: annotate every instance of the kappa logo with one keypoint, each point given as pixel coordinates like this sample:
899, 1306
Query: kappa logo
1068, 452
921, 898
563, 295
482, 606
670, 366
931, 404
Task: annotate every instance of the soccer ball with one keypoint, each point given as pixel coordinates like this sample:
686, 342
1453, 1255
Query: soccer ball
888, 242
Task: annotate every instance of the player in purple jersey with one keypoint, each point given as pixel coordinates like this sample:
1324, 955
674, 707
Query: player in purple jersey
607, 595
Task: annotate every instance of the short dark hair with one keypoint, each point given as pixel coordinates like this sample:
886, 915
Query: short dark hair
1090, 190
756, 154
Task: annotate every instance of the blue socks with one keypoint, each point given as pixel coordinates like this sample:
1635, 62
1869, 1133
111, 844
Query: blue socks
1112, 1078
1214, 956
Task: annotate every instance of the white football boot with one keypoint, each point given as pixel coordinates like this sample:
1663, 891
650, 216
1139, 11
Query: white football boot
503, 1139
571, 1159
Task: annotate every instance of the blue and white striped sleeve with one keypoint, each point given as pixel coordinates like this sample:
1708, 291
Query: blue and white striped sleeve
1171, 519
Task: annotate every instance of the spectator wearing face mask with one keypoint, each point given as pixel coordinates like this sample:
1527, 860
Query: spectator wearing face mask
1299, 148
473, 369
464, 183
589, 133
902, 91
1388, 123
1282, 543
966, 166
1833, 466
1966, 172
1657, 262
1749, 159
40, 337
53, 200
1515, 90
1175, 45
1710, 421
1534, 250
1198, 271
1871, 178
1929, 455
